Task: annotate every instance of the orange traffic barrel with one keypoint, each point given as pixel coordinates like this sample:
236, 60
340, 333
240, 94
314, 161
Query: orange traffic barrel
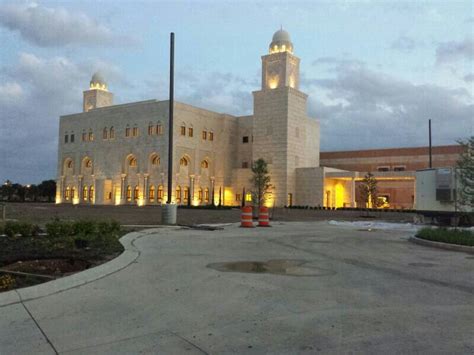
263, 219
246, 217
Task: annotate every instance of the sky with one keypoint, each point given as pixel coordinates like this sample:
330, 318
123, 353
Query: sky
375, 71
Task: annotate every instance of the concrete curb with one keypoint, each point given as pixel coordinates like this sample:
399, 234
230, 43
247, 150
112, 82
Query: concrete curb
129, 255
445, 246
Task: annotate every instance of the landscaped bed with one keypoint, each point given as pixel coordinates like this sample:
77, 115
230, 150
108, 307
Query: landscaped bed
450, 236
30, 255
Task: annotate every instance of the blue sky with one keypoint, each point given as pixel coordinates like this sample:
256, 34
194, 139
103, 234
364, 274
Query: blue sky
375, 71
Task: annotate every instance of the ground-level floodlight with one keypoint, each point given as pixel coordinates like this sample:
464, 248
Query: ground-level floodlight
170, 209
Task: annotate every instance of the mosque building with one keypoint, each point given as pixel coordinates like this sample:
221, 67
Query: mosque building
117, 154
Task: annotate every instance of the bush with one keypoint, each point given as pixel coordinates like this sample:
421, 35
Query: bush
27, 230
59, 229
451, 236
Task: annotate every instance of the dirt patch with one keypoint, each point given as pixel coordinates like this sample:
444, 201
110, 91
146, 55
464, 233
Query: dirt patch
52, 267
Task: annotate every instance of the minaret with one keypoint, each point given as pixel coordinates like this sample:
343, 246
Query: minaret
98, 94
281, 127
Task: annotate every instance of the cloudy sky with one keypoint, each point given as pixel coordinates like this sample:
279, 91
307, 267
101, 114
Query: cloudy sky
376, 71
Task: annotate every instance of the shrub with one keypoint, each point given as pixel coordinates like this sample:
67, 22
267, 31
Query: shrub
58, 229
84, 227
12, 229
451, 236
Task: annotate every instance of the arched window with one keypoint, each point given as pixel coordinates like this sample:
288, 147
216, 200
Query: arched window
151, 194
132, 161
73, 192
88, 163
183, 129
136, 192
105, 133
127, 131
155, 160
183, 161
67, 193
200, 194
186, 194
84, 136
204, 164
91, 135
135, 131
190, 132
112, 133
211, 136
91, 193
159, 129
69, 164
206, 195
85, 190
178, 194
160, 193
150, 129
129, 193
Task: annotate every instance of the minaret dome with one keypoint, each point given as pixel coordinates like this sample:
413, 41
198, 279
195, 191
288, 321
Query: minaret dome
98, 82
281, 42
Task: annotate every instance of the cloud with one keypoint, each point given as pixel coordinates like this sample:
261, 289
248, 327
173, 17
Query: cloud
36, 91
468, 78
360, 108
453, 51
404, 44
55, 27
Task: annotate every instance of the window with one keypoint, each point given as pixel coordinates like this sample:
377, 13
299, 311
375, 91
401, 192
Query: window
132, 162
91, 194
204, 135
183, 130
190, 132
66, 138
73, 192
129, 193
155, 161
245, 139
206, 195
399, 168
159, 129
200, 194
183, 162
105, 133
151, 194
135, 131
178, 194
160, 193
69, 164
186, 194
91, 135
67, 193
84, 136
248, 197
211, 136
245, 165
238, 197
84, 193
72, 138
204, 164
136, 192
112, 133
88, 163
383, 168
109, 195
150, 129
127, 131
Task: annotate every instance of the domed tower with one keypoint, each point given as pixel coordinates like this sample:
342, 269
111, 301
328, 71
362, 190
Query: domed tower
280, 67
98, 94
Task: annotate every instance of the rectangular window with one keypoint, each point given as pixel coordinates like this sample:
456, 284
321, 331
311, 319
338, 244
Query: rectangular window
211, 136
238, 197
204, 135
150, 130
245, 139
84, 136
248, 197
66, 138
159, 129
383, 168
186, 194
183, 130
190, 131
399, 168
127, 132
72, 138
91, 136
245, 165
135, 131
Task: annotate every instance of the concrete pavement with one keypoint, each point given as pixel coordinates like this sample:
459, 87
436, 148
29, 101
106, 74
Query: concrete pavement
370, 293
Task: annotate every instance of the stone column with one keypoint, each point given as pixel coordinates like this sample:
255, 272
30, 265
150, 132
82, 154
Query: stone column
122, 189
191, 189
62, 188
80, 189
353, 201
146, 189
212, 189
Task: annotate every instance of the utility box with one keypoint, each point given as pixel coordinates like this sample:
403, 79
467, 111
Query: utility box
444, 185
435, 190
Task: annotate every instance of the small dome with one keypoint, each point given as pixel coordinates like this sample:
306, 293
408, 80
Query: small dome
98, 82
281, 42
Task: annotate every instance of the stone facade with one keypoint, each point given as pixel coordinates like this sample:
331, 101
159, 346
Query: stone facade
118, 154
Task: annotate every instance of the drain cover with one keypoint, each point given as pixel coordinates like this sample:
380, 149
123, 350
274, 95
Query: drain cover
276, 267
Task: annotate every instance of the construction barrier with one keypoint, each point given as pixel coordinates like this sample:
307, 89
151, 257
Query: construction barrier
246, 217
263, 218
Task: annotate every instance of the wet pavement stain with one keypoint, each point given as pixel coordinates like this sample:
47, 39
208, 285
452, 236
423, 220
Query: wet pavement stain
422, 264
276, 267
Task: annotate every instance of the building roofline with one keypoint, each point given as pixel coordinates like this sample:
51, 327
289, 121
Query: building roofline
364, 153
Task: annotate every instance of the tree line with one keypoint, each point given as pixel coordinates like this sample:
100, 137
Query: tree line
15, 192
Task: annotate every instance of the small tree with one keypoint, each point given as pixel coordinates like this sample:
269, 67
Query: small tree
465, 175
260, 182
368, 190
